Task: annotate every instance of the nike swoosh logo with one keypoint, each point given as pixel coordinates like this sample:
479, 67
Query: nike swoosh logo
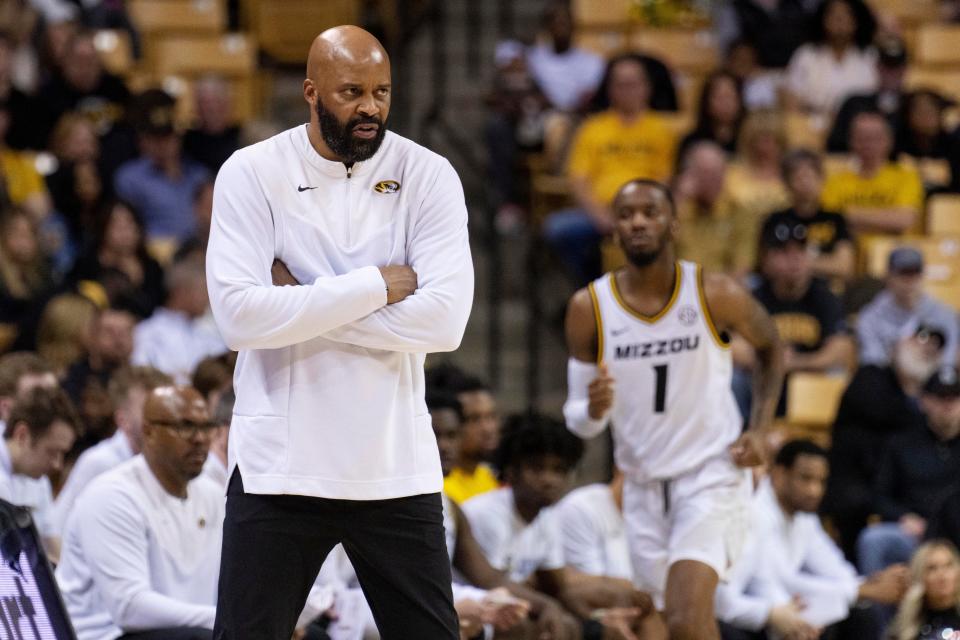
302, 189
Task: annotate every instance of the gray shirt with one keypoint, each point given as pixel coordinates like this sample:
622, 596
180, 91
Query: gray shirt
883, 322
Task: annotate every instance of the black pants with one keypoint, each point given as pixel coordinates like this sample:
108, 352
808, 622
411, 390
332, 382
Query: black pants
179, 633
273, 547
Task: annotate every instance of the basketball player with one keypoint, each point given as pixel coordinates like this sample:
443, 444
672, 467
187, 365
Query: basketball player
650, 354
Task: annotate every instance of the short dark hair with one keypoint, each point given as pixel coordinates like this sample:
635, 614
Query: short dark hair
532, 435
126, 378
862, 15
223, 413
449, 378
439, 400
793, 159
655, 184
14, 366
213, 372
789, 452
40, 409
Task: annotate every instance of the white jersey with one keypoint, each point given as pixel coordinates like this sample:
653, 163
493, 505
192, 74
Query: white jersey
673, 406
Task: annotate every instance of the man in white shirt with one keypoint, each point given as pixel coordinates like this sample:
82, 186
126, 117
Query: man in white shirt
21, 372
142, 545
128, 389
795, 580
518, 529
330, 440
41, 428
179, 334
592, 530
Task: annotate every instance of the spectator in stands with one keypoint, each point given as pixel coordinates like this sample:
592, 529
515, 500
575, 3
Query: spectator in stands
754, 181
64, 330
828, 238
142, 545
108, 348
793, 560
712, 231
77, 187
808, 316
23, 132
215, 468
21, 185
945, 522
918, 469
20, 373
931, 608
880, 402
118, 258
876, 195
610, 148
839, 62
900, 308
25, 279
128, 388
161, 184
480, 438
720, 113
593, 532
761, 88
81, 84
213, 377
891, 70
39, 432
518, 531
203, 213
776, 27
215, 136
183, 320
922, 136
567, 75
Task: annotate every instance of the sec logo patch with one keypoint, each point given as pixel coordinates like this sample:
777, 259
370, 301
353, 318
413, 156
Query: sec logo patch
387, 186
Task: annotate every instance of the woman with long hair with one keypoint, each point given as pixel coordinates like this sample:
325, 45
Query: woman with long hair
719, 113
931, 608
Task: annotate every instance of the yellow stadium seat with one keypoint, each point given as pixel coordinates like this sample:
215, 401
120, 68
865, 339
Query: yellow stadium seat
813, 398
943, 215
284, 29
805, 131
588, 13
937, 45
908, 12
680, 123
944, 81
941, 256
115, 51
603, 42
685, 50
232, 55
178, 16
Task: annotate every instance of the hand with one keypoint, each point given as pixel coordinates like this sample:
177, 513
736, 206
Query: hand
401, 282
618, 623
299, 634
554, 623
913, 525
789, 359
887, 586
503, 610
281, 274
748, 450
786, 621
600, 393
470, 613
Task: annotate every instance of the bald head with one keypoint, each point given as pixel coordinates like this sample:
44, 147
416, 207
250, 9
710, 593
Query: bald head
175, 404
176, 435
345, 44
348, 90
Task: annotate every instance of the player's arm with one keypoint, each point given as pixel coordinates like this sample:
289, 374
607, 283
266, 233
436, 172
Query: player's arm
735, 310
250, 312
589, 386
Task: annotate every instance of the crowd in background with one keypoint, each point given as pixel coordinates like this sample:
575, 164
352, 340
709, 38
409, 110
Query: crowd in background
106, 206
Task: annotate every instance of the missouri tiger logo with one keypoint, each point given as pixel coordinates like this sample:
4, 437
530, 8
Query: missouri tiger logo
387, 186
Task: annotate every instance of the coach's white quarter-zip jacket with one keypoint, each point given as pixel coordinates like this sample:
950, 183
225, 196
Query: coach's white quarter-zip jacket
329, 381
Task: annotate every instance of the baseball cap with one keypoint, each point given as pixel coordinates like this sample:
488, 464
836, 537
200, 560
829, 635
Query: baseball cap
926, 332
945, 383
779, 233
153, 112
905, 260
892, 52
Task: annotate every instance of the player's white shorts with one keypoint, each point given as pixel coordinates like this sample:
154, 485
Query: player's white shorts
701, 515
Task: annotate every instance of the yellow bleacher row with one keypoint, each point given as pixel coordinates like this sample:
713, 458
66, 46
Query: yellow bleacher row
184, 40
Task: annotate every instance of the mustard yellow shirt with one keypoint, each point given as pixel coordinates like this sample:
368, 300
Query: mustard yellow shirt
609, 153
20, 176
893, 185
461, 486
720, 240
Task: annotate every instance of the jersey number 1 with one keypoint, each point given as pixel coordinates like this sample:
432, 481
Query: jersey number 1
660, 393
